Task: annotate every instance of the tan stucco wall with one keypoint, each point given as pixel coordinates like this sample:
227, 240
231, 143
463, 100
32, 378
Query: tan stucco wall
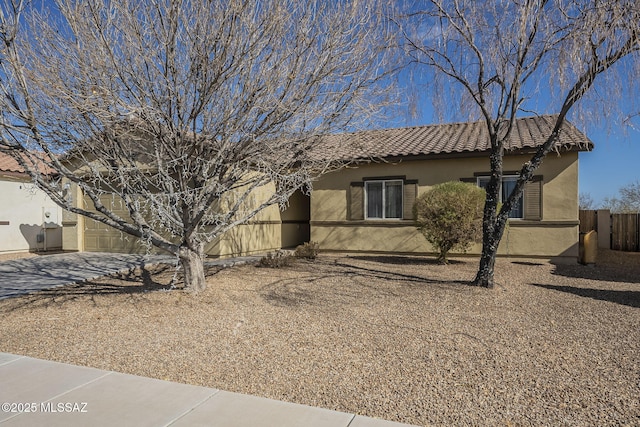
247, 239
261, 234
22, 217
72, 224
555, 236
298, 208
295, 221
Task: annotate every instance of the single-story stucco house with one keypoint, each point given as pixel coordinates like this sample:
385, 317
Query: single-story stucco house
366, 206
29, 219
369, 207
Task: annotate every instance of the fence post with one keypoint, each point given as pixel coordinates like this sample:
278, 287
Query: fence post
604, 228
637, 232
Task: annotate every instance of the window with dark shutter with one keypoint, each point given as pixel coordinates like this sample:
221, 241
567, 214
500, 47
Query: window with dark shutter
382, 198
529, 206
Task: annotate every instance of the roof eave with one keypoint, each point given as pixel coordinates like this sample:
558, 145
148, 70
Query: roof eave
466, 154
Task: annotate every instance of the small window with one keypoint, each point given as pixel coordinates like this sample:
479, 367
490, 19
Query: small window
508, 184
383, 199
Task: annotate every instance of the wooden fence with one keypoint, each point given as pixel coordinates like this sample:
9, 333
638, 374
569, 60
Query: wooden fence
624, 232
624, 229
588, 221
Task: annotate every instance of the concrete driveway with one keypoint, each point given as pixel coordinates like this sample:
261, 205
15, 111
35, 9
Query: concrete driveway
22, 276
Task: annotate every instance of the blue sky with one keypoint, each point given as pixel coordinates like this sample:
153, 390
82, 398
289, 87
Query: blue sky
613, 163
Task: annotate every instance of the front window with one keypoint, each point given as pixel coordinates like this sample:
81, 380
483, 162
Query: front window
508, 184
383, 199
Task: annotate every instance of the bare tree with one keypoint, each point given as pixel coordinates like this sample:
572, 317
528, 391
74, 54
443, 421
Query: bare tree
628, 200
502, 58
184, 109
585, 201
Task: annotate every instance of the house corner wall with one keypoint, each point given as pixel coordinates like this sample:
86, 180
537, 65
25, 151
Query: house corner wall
73, 224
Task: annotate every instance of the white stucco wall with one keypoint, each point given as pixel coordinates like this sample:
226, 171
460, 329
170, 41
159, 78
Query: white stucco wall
22, 219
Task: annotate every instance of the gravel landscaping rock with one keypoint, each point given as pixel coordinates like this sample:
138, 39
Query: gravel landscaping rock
396, 337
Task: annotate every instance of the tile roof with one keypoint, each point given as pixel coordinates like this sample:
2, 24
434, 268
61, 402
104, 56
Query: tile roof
454, 139
9, 164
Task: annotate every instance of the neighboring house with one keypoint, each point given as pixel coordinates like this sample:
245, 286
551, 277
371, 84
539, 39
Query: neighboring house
29, 219
367, 206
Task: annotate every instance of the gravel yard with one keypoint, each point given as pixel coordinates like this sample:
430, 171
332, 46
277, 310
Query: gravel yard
399, 338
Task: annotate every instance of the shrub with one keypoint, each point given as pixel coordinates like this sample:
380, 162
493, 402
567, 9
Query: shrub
308, 250
277, 259
450, 216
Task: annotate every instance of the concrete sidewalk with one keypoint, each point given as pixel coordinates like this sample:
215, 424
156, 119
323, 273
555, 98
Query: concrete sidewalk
36, 392
26, 275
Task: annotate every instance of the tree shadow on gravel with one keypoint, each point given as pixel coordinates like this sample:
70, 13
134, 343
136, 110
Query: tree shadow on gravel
402, 260
629, 298
527, 263
308, 289
136, 283
409, 279
606, 273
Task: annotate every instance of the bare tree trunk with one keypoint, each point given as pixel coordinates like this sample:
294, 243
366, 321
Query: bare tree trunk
491, 232
490, 241
192, 262
484, 277
442, 256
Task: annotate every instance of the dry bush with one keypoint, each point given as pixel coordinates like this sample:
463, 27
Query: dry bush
450, 216
277, 259
308, 250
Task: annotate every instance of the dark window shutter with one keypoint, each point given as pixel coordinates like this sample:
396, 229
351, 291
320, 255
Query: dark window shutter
533, 199
356, 201
409, 198
470, 180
